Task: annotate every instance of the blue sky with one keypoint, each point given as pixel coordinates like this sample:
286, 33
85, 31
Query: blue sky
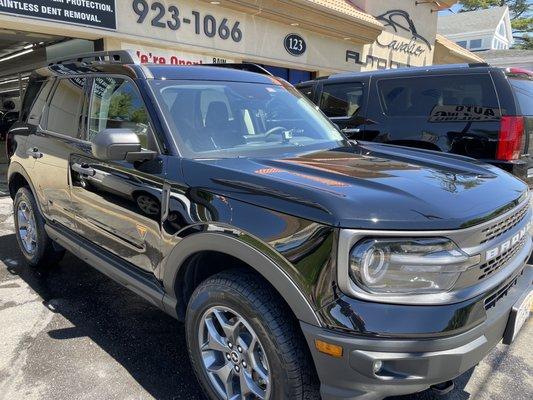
454, 8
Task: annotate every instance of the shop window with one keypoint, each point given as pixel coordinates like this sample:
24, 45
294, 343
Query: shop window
342, 99
65, 107
417, 97
116, 104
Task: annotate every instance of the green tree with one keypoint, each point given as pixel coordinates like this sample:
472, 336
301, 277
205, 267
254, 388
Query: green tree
120, 106
520, 13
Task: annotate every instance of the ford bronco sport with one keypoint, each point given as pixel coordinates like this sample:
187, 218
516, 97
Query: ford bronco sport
302, 264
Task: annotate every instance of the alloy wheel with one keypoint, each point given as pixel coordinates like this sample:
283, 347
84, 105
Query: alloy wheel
27, 228
232, 355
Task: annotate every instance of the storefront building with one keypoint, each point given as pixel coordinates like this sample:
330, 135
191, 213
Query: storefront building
297, 39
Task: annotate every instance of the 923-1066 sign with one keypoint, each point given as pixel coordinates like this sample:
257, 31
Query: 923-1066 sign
172, 17
94, 13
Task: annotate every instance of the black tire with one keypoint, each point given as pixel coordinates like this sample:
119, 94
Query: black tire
291, 369
45, 254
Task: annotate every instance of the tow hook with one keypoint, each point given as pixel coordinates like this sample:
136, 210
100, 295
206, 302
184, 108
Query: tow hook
443, 388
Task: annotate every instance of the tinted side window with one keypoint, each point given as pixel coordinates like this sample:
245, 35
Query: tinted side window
65, 107
418, 96
342, 99
523, 90
32, 90
307, 91
37, 108
115, 103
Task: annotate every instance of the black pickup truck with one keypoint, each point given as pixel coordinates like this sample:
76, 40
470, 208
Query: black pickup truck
303, 265
472, 110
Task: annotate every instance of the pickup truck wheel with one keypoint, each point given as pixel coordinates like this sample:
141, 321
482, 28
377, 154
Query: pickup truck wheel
243, 343
34, 242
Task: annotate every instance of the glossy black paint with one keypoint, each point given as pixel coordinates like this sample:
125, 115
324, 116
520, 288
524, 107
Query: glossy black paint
288, 209
472, 139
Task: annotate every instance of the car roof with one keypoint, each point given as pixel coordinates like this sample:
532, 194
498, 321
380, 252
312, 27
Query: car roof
206, 73
408, 71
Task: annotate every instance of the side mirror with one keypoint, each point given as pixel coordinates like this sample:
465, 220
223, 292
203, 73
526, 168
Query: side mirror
115, 144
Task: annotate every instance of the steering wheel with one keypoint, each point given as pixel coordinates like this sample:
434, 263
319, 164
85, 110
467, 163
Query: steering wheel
275, 131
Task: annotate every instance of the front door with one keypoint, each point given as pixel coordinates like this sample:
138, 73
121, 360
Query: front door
118, 203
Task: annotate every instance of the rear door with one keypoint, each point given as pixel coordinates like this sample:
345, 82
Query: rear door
118, 203
523, 93
456, 113
345, 104
56, 137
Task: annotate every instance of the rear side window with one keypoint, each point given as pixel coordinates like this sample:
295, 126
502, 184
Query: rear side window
342, 99
420, 96
523, 90
65, 107
37, 108
29, 97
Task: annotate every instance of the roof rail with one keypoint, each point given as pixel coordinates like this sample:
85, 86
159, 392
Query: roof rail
250, 67
114, 57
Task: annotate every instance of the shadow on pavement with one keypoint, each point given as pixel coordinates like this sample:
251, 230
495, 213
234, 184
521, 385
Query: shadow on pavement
149, 344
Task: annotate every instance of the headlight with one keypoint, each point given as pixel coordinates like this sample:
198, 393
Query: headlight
408, 266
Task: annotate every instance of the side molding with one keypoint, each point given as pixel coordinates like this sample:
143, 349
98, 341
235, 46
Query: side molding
232, 246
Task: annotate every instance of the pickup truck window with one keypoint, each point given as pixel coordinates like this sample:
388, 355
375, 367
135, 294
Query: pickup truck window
342, 99
417, 97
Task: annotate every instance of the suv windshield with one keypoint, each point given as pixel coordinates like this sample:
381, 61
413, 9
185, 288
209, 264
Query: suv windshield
233, 119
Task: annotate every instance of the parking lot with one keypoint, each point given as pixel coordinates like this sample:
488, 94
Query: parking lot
73, 333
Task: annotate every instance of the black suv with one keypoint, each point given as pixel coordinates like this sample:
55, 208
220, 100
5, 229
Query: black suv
472, 110
302, 264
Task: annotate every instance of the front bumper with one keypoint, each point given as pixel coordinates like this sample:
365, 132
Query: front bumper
409, 365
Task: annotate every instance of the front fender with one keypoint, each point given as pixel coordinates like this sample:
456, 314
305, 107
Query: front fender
244, 248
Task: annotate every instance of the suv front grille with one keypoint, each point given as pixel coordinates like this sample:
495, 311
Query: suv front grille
503, 226
496, 263
501, 292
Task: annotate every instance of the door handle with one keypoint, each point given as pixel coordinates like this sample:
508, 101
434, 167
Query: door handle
351, 130
35, 153
83, 169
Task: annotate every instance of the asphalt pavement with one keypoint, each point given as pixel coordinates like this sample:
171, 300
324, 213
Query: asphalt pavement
72, 333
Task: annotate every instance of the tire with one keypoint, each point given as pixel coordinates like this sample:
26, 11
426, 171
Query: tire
242, 300
34, 243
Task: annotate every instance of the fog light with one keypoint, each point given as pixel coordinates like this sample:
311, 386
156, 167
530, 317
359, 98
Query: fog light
378, 364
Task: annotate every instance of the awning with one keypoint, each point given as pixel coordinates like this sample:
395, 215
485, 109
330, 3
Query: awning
447, 52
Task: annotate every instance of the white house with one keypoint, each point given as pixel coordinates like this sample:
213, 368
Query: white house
479, 30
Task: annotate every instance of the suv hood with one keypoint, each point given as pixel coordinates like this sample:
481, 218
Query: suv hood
366, 186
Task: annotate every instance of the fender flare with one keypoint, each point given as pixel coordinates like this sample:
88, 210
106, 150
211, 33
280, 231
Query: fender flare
16, 168
233, 246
